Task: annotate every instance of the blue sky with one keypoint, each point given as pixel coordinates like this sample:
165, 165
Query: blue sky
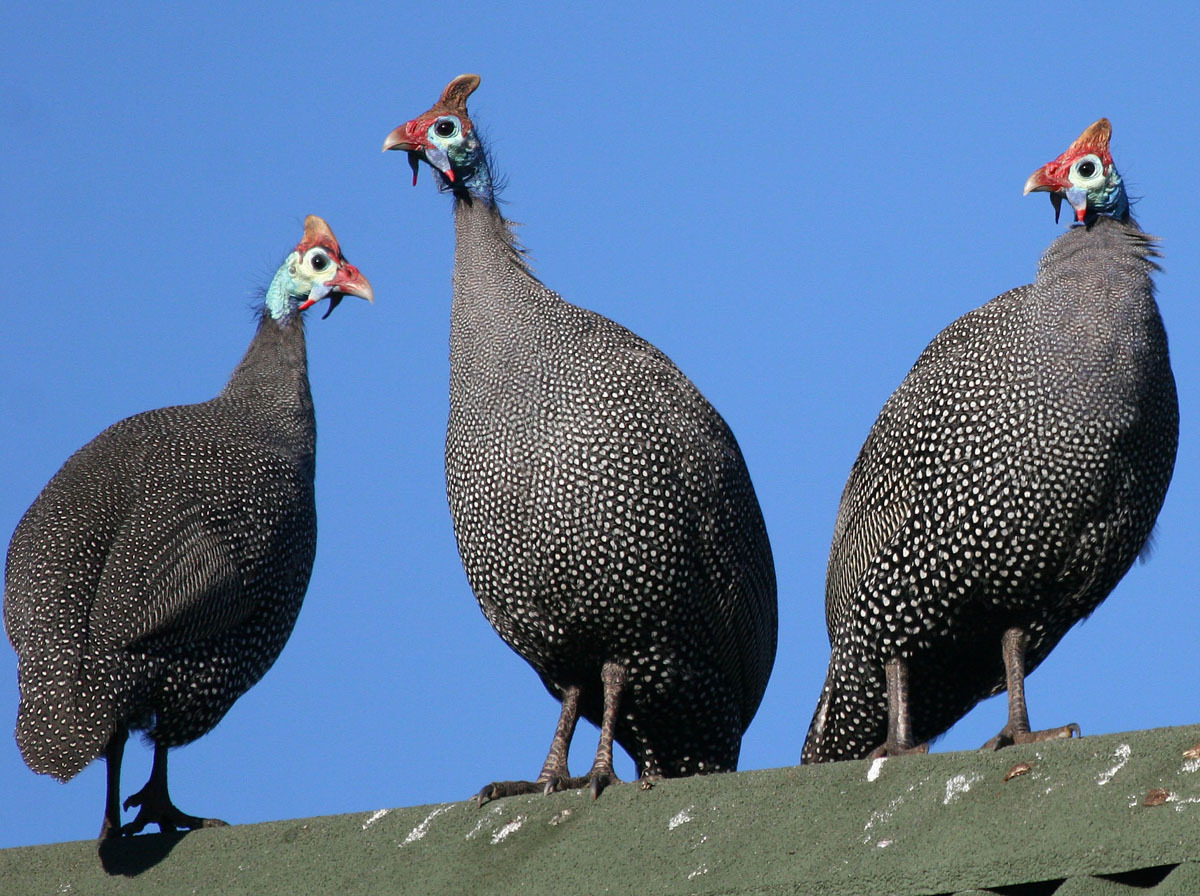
789, 203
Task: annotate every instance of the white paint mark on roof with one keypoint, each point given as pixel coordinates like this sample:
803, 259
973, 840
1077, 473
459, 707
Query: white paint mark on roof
958, 785
490, 816
703, 869
1192, 765
375, 816
682, 817
884, 844
879, 816
423, 828
510, 828
876, 768
1122, 754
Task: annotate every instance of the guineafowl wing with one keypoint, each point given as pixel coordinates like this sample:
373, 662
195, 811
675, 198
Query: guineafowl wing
192, 556
172, 576
913, 461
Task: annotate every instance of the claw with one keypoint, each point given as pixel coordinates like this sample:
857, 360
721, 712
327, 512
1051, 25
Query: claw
155, 806
558, 783
500, 789
885, 751
599, 782
1008, 738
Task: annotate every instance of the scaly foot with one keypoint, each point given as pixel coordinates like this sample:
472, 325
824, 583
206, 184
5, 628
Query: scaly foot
1007, 737
499, 789
888, 750
595, 781
156, 808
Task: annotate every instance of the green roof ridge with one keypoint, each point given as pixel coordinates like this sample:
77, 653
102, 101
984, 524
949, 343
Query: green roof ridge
947, 822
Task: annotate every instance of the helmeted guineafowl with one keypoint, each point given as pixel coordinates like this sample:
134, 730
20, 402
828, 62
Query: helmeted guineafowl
603, 511
1006, 487
159, 573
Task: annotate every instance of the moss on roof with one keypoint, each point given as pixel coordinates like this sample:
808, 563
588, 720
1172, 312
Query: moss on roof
1111, 814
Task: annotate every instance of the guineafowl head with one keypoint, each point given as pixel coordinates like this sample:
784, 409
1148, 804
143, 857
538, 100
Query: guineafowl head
315, 270
1085, 176
446, 138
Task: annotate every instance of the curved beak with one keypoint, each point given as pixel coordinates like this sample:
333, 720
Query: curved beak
348, 281
1042, 182
411, 138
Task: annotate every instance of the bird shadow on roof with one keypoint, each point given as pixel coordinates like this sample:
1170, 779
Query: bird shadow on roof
130, 856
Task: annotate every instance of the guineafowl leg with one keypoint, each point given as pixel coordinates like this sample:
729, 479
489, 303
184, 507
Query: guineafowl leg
112, 795
156, 806
1013, 646
900, 738
602, 774
554, 774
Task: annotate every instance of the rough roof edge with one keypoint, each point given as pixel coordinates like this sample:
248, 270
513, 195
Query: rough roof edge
935, 824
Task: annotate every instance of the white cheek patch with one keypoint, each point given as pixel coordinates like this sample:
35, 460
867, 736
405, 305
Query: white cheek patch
318, 292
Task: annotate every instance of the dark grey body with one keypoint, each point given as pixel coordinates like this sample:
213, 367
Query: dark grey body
159, 573
603, 511
1011, 480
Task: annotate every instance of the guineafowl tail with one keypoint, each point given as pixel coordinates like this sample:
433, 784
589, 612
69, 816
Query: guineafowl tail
851, 717
64, 724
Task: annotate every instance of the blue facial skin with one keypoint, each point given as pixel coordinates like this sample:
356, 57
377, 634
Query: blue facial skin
1107, 199
1110, 200
285, 293
461, 153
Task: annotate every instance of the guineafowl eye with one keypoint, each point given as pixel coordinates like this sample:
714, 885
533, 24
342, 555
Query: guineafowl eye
1087, 172
317, 259
446, 127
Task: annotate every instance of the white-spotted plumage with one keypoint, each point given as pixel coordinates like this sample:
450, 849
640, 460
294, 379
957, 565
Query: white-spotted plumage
603, 510
159, 573
1011, 480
